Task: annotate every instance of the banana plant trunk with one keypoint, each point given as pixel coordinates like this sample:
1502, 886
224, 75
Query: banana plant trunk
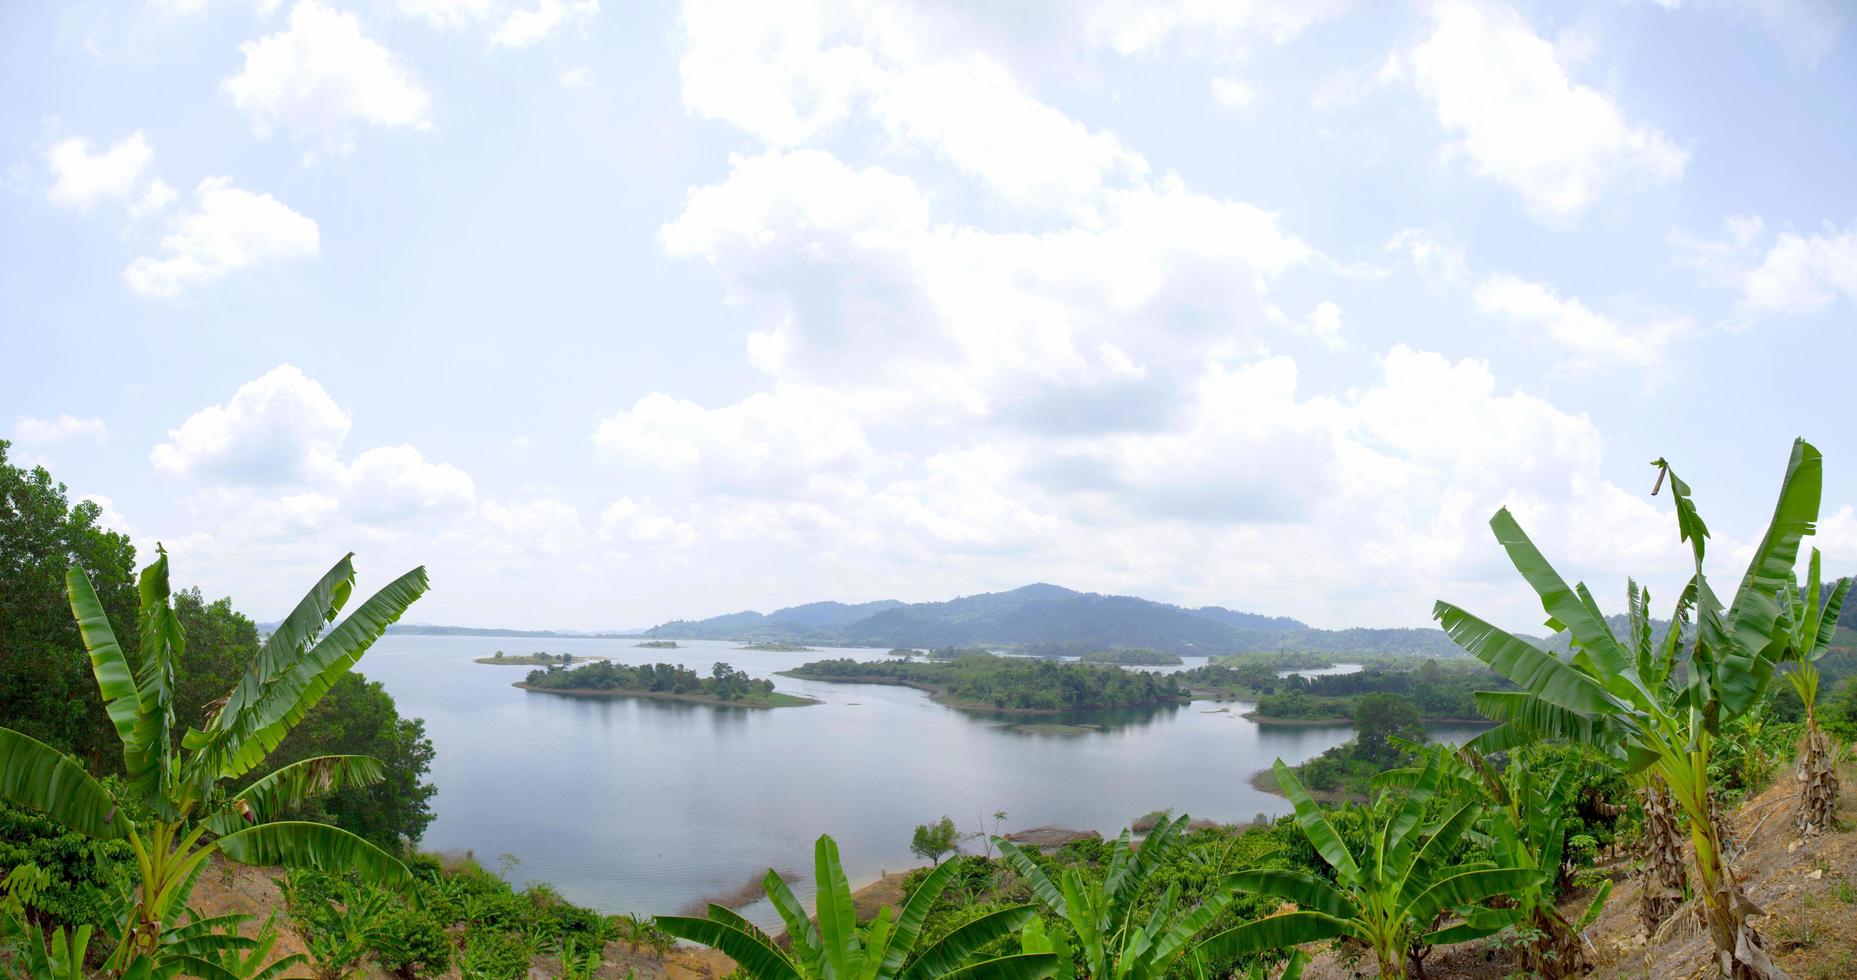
1663, 858
1740, 954
1818, 777
1558, 951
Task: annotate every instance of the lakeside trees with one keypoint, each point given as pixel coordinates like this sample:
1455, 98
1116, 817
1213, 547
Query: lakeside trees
1011, 683
724, 682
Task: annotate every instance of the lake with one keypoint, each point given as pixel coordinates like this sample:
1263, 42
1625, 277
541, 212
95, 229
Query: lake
634, 805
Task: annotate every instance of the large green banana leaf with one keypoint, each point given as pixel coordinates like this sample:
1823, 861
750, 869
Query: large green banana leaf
752, 951
1019, 966
37, 776
320, 847
122, 701
1300, 887
1531, 668
1277, 932
1315, 825
274, 795
949, 954
255, 731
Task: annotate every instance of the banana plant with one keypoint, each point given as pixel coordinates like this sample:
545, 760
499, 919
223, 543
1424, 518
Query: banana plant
1811, 627
1603, 696
179, 786
836, 949
1525, 827
1391, 895
39, 957
1114, 943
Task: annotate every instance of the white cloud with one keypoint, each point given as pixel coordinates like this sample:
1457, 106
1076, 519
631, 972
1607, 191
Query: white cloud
545, 524
1436, 257
572, 78
1591, 341
321, 76
157, 194
81, 178
1795, 274
638, 522
282, 428
1233, 93
64, 427
1517, 118
225, 230
393, 482
776, 444
507, 23
787, 73
1135, 26
527, 26
858, 286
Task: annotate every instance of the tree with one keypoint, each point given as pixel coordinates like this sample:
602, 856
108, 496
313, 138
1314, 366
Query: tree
1114, 945
170, 797
836, 948
1380, 718
1391, 895
932, 840
1811, 627
1610, 694
44, 679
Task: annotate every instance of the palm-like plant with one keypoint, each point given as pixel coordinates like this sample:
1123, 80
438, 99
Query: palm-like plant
1113, 942
1392, 895
179, 784
1607, 696
1526, 827
836, 949
1811, 628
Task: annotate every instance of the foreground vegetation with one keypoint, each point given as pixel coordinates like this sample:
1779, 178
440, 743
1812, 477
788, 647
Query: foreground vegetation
724, 685
986, 682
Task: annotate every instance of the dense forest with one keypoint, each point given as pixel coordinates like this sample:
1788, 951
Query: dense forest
982, 680
723, 683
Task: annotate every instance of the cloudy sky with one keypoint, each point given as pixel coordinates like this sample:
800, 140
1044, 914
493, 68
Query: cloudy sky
614, 312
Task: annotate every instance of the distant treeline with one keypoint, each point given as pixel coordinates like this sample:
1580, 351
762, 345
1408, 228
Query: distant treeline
724, 682
1436, 689
1013, 683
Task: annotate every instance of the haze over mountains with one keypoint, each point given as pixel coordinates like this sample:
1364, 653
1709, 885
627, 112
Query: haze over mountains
1048, 615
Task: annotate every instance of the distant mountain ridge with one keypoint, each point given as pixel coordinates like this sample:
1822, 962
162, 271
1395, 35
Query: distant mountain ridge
1049, 615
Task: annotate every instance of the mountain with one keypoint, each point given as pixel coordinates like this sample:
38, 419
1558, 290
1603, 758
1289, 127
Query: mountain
1050, 616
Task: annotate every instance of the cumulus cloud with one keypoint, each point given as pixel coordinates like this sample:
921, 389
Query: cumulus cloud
857, 282
81, 178
767, 444
1793, 273
1516, 117
281, 428
508, 23
638, 522
1590, 340
1437, 258
224, 230
61, 429
321, 76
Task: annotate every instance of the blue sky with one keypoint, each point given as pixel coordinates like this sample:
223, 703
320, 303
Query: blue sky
611, 313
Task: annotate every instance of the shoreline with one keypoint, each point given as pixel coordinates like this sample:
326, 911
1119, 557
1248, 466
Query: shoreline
799, 700
1253, 716
939, 695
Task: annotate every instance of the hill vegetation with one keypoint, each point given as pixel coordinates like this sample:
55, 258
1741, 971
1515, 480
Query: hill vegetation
986, 682
1051, 620
724, 685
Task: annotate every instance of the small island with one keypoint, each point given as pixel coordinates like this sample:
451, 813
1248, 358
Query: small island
766, 646
1131, 658
1015, 685
537, 659
667, 682
658, 644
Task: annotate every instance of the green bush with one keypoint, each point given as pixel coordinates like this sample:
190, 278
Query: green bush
489, 954
81, 872
411, 943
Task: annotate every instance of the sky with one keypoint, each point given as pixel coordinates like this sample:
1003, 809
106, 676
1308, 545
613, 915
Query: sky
610, 313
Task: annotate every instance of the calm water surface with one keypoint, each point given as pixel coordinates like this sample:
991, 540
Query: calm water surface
631, 805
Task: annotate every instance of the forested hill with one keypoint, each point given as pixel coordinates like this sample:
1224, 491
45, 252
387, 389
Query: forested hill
1049, 615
